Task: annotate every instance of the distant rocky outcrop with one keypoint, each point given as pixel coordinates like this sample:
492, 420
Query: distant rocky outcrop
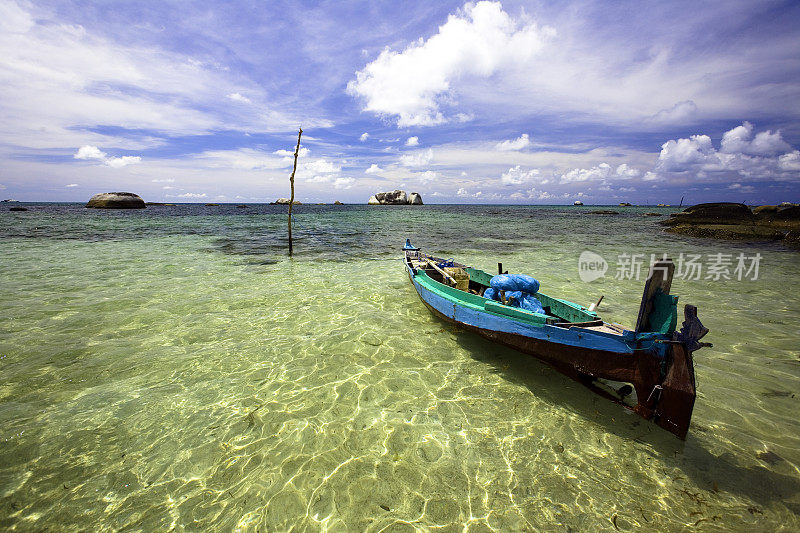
737, 221
285, 201
337, 202
116, 200
712, 213
395, 198
765, 209
18, 209
577, 202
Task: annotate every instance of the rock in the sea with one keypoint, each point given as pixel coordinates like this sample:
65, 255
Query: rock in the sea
116, 200
788, 213
602, 212
337, 202
18, 209
736, 221
577, 202
729, 231
285, 201
765, 209
395, 198
792, 238
712, 213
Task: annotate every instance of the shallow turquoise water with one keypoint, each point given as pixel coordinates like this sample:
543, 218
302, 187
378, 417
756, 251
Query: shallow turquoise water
173, 369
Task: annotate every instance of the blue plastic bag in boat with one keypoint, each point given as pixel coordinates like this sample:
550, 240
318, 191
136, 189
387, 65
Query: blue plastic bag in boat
525, 301
518, 299
514, 296
530, 303
515, 282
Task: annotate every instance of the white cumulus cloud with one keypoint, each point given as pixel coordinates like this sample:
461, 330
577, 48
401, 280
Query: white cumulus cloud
412, 141
517, 144
373, 169
740, 140
477, 41
88, 152
790, 161
680, 112
516, 176
601, 172
343, 183
290, 153
427, 176
237, 97
364, 137
119, 162
742, 155
418, 159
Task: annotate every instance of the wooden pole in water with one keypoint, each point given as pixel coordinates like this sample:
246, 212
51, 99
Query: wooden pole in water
291, 181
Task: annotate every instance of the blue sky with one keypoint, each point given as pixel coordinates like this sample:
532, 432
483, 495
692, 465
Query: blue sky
487, 102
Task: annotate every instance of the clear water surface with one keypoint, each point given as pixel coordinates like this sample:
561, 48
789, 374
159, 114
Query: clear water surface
172, 369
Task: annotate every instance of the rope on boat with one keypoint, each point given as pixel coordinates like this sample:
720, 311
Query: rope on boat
658, 388
628, 344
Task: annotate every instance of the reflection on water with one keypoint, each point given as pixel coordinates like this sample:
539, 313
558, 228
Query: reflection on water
171, 368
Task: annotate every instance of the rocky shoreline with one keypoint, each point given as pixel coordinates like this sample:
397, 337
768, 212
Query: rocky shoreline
738, 221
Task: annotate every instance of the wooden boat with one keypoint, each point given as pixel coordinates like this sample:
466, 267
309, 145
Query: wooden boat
648, 369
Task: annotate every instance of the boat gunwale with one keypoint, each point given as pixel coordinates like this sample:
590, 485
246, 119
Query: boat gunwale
472, 301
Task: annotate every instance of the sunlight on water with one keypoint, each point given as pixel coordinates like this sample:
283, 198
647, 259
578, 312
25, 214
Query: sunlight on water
173, 369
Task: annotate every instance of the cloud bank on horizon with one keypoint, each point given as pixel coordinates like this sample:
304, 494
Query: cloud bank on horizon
487, 102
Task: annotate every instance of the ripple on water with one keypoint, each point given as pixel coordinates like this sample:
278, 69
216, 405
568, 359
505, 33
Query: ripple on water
169, 371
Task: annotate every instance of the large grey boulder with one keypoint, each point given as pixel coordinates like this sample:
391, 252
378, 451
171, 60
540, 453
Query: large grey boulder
116, 200
395, 198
